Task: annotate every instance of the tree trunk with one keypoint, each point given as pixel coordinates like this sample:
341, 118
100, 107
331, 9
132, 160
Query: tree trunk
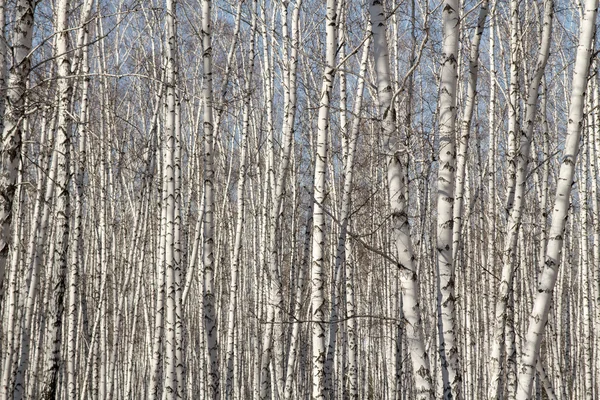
449, 352
14, 114
210, 323
396, 178
541, 305
62, 205
318, 242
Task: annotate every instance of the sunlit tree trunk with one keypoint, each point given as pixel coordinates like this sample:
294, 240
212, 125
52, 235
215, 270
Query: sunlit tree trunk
77, 249
518, 202
169, 199
586, 267
541, 305
448, 350
344, 218
318, 242
35, 253
273, 339
62, 205
14, 114
210, 323
513, 104
12, 323
465, 127
233, 347
395, 161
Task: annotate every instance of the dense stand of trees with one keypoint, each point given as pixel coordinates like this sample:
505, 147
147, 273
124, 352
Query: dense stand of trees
276, 199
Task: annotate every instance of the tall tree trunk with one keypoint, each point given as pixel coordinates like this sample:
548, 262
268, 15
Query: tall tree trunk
3, 69
318, 242
541, 304
232, 346
396, 178
517, 204
14, 114
79, 65
210, 323
169, 171
449, 352
465, 127
62, 205
513, 105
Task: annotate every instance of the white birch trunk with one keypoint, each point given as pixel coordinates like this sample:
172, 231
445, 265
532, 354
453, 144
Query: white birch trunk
587, 341
168, 202
318, 242
11, 326
344, 219
541, 305
210, 323
35, 250
13, 122
78, 170
400, 228
517, 203
465, 130
62, 206
156, 353
3, 69
513, 106
274, 338
448, 350
232, 346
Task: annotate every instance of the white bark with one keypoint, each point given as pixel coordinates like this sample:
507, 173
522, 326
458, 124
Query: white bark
3, 69
35, 250
78, 171
11, 325
448, 348
232, 346
274, 338
13, 122
586, 320
344, 219
541, 305
465, 128
318, 242
62, 205
517, 204
210, 323
401, 240
513, 106
169, 199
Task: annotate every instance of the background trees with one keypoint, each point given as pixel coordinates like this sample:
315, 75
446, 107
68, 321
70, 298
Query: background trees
245, 199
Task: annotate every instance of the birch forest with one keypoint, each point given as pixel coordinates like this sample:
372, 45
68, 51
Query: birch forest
299, 199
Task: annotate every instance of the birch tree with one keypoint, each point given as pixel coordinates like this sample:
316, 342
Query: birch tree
318, 241
14, 114
400, 228
448, 347
170, 167
541, 304
180, 203
62, 207
515, 216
